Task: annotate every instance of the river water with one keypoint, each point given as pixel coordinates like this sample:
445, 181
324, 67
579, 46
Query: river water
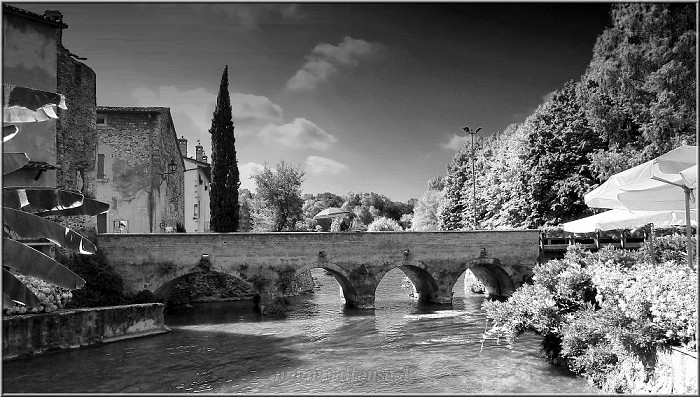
320, 347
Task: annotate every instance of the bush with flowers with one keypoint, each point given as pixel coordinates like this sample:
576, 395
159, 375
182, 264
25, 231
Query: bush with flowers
51, 297
598, 312
384, 224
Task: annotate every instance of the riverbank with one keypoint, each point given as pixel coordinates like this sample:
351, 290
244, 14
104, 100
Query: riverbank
36, 334
675, 371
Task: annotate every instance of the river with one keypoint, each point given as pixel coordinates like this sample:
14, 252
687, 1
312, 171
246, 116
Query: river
320, 347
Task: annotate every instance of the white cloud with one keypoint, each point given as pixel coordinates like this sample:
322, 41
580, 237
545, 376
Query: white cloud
191, 110
250, 16
299, 134
325, 59
253, 116
324, 166
250, 112
246, 171
456, 142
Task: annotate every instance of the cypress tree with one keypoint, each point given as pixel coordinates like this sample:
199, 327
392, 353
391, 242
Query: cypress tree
225, 179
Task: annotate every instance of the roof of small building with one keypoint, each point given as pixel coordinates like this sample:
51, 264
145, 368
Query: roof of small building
32, 15
206, 167
40, 165
197, 162
131, 109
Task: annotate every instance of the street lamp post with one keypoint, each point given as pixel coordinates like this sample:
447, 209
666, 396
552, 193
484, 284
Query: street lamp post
472, 133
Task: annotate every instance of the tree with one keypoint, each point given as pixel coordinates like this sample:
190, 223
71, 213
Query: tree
280, 191
436, 183
556, 164
245, 210
224, 166
425, 213
640, 86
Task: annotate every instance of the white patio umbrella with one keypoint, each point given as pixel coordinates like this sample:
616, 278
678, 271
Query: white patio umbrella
668, 182
331, 212
625, 219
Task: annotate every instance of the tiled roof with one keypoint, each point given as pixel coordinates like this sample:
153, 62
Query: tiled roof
131, 109
31, 15
40, 165
197, 162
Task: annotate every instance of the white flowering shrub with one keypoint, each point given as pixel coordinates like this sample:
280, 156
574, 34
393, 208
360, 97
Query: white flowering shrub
51, 297
383, 224
595, 311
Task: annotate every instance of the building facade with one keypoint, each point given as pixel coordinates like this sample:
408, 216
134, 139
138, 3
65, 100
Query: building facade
139, 171
29, 44
197, 181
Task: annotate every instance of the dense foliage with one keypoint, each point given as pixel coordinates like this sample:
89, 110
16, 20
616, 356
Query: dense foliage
425, 212
382, 224
635, 101
225, 178
597, 312
278, 197
103, 285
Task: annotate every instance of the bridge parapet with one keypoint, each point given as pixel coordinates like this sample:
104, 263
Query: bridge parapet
432, 260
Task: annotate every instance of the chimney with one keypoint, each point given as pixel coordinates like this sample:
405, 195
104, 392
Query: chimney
182, 143
56, 16
199, 152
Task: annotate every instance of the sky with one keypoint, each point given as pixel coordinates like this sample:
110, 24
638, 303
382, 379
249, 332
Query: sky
365, 97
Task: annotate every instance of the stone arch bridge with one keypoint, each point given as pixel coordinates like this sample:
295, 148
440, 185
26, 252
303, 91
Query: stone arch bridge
433, 261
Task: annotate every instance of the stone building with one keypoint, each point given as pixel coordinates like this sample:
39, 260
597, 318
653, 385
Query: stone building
30, 60
139, 171
76, 133
66, 150
197, 181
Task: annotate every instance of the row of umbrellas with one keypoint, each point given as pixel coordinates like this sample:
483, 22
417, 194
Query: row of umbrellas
662, 191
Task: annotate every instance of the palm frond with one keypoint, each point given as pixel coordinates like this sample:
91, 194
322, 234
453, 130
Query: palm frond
27, 225
40, 199
16, 290
13, 161
31, 262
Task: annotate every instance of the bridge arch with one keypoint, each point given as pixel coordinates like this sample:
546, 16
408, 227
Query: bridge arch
166, 290
491, 274
426, 286
339, 274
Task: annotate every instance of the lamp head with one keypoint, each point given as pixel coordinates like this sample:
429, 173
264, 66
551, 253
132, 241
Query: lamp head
172, 167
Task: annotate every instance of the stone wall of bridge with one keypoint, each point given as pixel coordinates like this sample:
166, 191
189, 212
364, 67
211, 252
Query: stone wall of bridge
502, 260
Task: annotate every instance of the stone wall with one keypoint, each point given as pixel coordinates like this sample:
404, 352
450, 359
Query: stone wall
136, 144
126, 185
302, 283
171, 204
33, 334
76, 135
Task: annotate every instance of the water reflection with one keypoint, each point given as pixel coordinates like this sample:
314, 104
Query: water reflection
321, 347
